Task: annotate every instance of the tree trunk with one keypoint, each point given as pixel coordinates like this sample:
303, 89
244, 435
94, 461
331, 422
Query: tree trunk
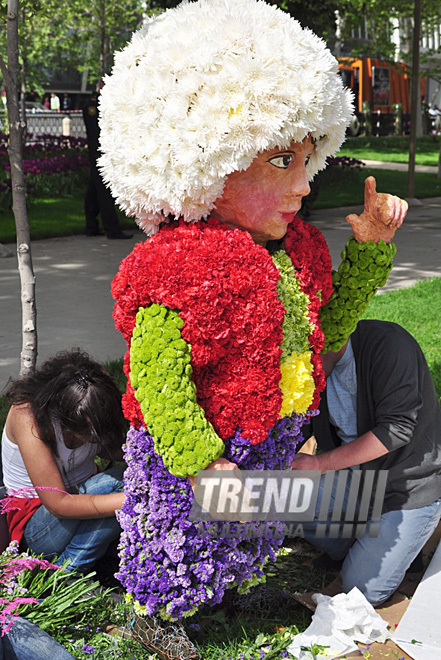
15, 152
439, 163
23, 96
102, 39
415, 93
23, 77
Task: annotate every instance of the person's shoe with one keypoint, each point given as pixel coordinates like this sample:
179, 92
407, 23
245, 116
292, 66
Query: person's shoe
325, 563
167, 639
120, 235
98, 232
417, 566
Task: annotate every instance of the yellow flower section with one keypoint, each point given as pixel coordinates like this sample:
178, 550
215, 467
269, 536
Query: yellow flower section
297, 383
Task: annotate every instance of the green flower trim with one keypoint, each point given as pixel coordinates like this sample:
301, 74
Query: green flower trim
296, 324
364, 268
161, 377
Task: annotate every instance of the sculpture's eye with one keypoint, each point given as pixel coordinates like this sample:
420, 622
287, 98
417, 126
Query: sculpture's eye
283, 161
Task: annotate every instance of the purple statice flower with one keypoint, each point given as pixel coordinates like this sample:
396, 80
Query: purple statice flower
87, 648
172, 566
280, 444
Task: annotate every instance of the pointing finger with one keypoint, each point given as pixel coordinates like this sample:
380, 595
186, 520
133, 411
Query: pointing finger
370, 189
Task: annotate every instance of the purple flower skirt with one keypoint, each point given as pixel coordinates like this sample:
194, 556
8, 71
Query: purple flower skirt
172, 566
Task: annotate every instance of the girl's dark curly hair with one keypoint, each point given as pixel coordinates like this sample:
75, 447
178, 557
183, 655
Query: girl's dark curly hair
79, 393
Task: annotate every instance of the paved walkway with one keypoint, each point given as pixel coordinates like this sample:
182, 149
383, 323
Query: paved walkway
73, 277
401, 167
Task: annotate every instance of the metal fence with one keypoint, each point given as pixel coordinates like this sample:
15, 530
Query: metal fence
51, 123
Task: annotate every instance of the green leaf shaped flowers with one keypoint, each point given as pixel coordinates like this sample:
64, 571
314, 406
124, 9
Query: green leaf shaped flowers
364, 268
161, 377
296, 324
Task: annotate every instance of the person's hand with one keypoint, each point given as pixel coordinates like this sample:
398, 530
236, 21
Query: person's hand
382, 215
303, 461
218, 464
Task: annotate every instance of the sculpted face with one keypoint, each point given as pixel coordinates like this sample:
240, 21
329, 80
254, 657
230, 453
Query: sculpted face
264, 198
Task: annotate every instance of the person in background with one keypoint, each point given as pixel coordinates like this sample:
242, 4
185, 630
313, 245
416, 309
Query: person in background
47, 102
380, 411
55, 102
59, 419
66, 101
32, 96
98, 199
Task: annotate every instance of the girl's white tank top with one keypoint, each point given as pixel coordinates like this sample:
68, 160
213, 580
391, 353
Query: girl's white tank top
75, 465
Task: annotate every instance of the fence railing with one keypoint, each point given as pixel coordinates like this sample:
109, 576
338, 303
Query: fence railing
51, 123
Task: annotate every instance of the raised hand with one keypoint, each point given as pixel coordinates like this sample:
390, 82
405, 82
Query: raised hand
382, 215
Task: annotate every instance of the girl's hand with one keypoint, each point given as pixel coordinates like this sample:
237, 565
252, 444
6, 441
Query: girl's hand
218, 464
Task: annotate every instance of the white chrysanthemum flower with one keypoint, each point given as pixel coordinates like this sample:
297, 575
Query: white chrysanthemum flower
200, 91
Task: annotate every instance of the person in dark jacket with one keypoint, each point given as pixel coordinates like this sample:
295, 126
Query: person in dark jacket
380, 411
98, 198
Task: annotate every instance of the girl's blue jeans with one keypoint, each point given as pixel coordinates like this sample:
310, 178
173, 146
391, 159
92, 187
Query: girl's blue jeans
26, 641
82, 542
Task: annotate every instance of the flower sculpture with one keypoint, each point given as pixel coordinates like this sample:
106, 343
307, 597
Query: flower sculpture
212, 121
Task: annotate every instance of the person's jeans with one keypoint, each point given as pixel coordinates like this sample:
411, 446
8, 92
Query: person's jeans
82, 542
377, 565
26, 641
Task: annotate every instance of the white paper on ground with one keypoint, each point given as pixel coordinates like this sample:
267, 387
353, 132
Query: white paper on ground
420, 621
336, 623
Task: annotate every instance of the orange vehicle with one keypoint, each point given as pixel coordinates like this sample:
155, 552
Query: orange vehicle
377, 82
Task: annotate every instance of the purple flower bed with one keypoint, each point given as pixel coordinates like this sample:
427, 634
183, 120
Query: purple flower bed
53, 166
46, 143
344, 162
172, 566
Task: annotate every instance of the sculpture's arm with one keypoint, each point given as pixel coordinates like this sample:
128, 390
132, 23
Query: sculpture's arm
364, 268
366, 264
160, 373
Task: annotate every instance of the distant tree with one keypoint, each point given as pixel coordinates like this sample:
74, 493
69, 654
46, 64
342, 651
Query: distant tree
96, 29
320, 17
82, 35
421, 16
371, 19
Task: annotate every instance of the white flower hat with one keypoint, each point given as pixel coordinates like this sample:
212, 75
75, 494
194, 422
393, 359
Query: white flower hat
200, 91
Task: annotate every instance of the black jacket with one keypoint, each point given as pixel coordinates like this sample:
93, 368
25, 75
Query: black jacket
90, 116
397, 401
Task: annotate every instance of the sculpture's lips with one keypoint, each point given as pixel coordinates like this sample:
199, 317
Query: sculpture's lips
288, 216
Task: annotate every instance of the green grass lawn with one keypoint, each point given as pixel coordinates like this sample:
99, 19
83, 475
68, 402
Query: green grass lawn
349, 190
393, 148
50, 217
418, 309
